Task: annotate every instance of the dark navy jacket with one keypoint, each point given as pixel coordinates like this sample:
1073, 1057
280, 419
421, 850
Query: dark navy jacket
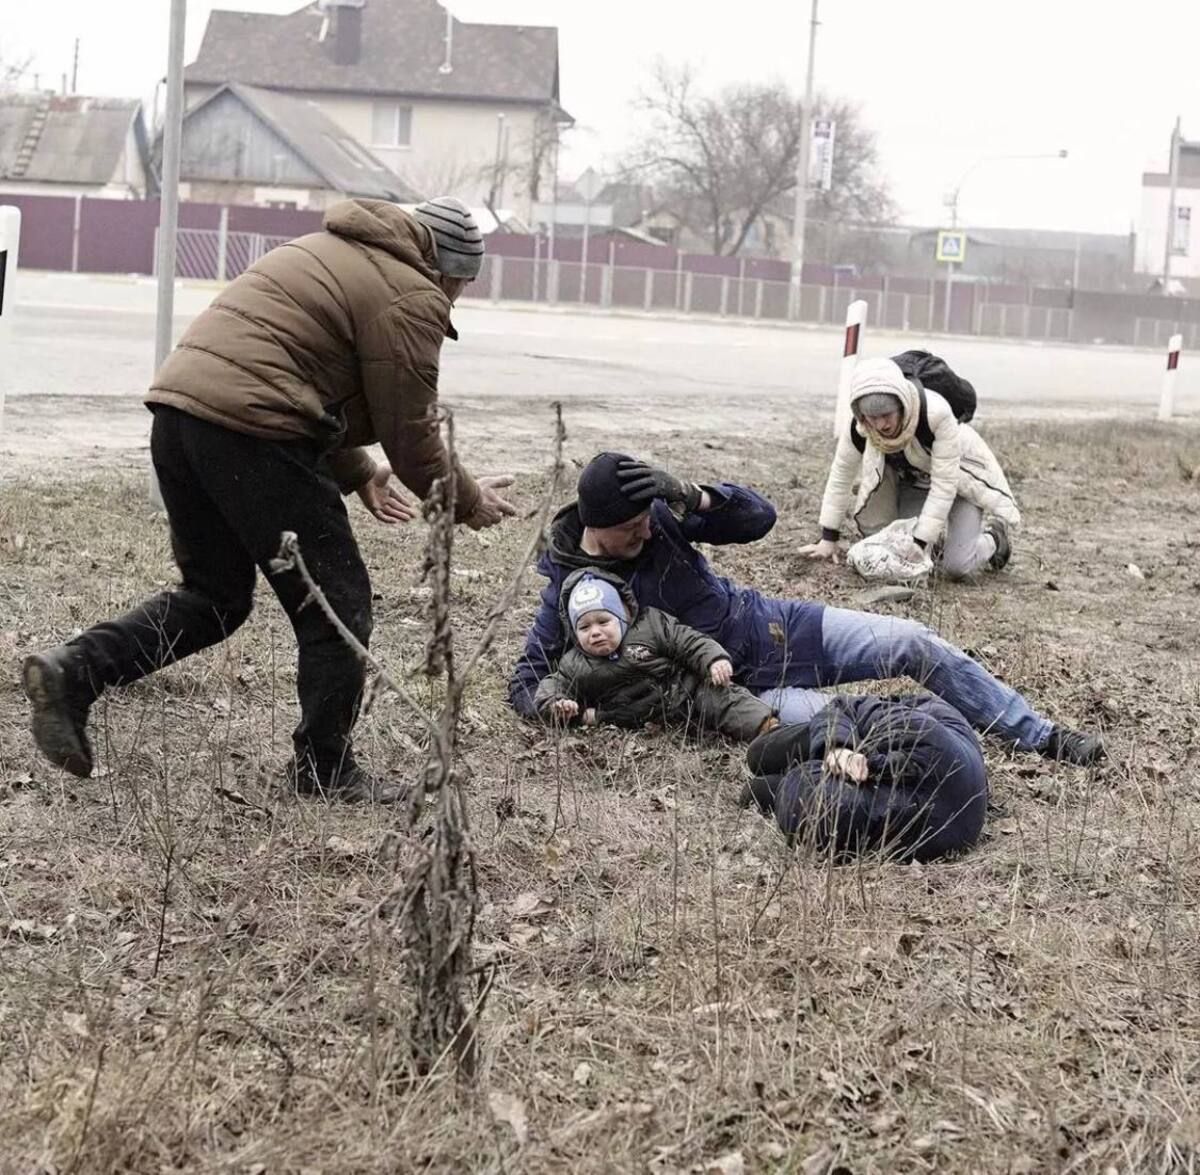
768, 640
926, 795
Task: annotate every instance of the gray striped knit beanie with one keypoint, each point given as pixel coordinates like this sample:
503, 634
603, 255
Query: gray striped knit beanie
455, 234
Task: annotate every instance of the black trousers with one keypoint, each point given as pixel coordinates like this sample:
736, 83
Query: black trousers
229, 497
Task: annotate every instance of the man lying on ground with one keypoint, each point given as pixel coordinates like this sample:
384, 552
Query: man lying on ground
640, 523
899, 776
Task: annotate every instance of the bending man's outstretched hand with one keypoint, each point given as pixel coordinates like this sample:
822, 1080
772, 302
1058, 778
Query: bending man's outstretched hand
643, 483
492, 507
383, 498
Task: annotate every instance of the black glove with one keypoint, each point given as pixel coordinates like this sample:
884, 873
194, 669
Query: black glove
643, 483
632, 708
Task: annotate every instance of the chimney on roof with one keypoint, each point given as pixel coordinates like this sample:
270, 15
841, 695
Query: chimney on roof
341, 30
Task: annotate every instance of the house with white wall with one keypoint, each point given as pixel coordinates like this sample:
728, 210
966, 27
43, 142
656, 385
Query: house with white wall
448, 106
245, 145
1152, 225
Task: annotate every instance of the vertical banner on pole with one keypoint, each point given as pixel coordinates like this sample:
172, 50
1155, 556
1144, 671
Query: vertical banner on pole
1166, 404
856, 316
10, 241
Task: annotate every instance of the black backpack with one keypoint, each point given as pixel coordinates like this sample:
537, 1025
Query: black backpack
929, 371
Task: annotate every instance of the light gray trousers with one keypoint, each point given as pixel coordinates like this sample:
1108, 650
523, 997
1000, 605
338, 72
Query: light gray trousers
965, 547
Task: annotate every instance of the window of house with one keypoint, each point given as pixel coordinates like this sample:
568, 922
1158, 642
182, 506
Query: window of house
1181, 240
391, 125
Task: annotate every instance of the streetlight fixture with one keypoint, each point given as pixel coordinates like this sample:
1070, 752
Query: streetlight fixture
952, 203
952, 199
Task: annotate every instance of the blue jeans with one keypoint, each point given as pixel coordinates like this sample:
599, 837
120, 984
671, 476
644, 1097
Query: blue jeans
864, 646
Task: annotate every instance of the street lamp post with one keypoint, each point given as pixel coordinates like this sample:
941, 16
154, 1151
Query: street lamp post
168, 215
1171, 196
952, 201
800, 208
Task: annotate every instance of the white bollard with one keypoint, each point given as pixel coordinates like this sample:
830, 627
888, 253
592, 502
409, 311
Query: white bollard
10, 242
856, 315
1166, 405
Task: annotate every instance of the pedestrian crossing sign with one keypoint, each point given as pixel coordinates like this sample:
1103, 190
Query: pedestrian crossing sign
952, 246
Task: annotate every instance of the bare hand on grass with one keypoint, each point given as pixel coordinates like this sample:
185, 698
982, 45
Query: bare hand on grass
825, 549
564, 709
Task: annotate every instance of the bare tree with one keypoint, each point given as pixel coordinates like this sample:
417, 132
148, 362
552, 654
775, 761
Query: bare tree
447, 174
727, 161
12, 70
539, 154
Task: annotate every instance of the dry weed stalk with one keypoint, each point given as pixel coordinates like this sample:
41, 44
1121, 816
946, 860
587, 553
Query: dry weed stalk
436, 902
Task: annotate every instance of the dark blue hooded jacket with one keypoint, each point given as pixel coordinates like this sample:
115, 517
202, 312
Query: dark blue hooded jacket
767, 639
926, 795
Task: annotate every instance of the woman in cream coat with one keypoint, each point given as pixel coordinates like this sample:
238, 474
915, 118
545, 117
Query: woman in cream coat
912, 458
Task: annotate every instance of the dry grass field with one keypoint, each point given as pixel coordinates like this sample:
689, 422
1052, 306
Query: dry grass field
193, 977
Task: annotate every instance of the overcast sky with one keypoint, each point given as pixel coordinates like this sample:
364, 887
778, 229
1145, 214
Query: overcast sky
944, 83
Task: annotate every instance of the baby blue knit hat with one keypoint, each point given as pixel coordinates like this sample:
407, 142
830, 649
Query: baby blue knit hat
592, 594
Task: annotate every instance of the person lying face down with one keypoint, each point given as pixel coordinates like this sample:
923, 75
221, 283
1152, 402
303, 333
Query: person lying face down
627, 666
901, 776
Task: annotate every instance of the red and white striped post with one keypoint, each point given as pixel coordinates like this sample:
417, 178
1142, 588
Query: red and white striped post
1166, 403
856, 316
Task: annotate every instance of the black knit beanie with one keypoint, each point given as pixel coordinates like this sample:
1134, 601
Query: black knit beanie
601, 502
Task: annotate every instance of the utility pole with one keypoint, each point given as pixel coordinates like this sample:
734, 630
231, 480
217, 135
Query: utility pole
168, 209
75, 70
800, 211
1171, 208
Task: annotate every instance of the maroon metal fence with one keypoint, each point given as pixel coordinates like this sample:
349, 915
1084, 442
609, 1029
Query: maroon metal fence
90, 235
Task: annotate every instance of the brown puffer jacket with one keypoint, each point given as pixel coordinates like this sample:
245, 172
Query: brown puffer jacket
334, 336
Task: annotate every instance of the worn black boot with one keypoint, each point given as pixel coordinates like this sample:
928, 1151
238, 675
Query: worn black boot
56, 687
1073, 746
760, 793
1003, 552
347, 782
774, 752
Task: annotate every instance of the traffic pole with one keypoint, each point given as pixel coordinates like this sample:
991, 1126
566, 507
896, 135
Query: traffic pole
1166, 403
856, 316
168, 219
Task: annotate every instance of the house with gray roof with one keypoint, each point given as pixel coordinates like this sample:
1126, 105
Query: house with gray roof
246, 145
68, 145
452, 107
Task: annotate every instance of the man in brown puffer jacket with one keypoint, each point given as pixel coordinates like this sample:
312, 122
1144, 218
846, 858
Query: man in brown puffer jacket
329, 343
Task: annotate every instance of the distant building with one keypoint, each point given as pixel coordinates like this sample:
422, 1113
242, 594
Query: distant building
245, 145
69, 145
469, 109
1024, 256
1152, 228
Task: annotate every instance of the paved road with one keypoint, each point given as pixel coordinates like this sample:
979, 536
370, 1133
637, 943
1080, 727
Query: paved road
88, 342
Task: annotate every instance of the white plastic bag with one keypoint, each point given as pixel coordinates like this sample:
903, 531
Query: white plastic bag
890, 555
